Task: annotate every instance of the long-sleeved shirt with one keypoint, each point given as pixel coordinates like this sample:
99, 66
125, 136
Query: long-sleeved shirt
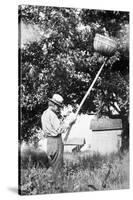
51, 124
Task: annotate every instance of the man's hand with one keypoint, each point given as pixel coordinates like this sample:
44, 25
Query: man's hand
72, 119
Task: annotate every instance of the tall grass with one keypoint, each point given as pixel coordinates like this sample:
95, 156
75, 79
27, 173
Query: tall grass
82, 172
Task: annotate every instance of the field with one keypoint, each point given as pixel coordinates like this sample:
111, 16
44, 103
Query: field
82, 172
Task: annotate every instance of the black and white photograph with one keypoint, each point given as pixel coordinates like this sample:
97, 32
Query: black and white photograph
73, 99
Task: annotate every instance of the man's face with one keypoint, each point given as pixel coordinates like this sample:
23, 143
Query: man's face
56, 108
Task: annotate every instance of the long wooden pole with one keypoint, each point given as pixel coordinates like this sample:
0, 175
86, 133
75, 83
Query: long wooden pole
90, 88
84, 98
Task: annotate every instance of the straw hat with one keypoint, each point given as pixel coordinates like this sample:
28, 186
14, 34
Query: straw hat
57, 99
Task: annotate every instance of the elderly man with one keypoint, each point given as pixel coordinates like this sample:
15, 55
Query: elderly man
53, 128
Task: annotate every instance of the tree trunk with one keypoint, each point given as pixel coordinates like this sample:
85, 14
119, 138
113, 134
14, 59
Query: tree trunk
125, 133
125, 127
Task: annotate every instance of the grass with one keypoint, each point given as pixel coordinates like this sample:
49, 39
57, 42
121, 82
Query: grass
82, 172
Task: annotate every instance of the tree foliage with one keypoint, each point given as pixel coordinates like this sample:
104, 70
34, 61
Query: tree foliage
63, 61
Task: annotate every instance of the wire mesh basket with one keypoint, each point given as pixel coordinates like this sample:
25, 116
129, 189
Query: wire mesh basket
104, 45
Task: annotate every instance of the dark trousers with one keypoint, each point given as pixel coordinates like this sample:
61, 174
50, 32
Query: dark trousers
55, 149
